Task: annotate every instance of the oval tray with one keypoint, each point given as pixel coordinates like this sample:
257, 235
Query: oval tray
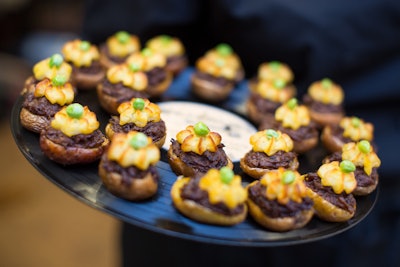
158, 213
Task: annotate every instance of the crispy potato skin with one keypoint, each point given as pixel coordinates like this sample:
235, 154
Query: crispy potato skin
282, 224
199, 213
180, 168
33, 122
326, 210
138, 189
70, 155
210, 91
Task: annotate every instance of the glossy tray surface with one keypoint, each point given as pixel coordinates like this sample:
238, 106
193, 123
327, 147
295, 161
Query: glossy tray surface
158, 213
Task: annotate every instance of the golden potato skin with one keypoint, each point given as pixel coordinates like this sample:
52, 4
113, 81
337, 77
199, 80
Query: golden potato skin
326, 210
257, 173
331, 142
209, 90
138, 189
180, 168
33, 122
199, 213
70, 155
282, 224
86, 81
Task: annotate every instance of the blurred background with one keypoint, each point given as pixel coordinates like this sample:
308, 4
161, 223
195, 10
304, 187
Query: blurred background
40, 225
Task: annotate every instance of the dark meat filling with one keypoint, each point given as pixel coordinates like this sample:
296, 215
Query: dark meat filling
262, 160
338, 131
121, 92
128, 173
192, 191
40, 106
263, 105
304, 132
176, 60
92, 140
272, 208
118, 60
221, 81
321, 107
155, 130
94, 68
344, 201
156, 76
301, 133
201, 163
363, 179
337, 156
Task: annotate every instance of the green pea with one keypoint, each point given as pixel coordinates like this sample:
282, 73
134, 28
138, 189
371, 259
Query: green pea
292, 103
138, 104
134, 67
271, 133
147, 52
75, 110
224, 49
364, 146
326, 83
279, 83
56, 60
347, 166
165, 39
274, 65
139, 141
201, 129
84, 46
356, 122
122, 37
59, 80
288, 177
226, 175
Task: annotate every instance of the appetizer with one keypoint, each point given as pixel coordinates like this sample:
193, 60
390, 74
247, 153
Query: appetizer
270, 150
128, 167
325, 101
367, 162
196, 150
73, 136
173, 49
266, 97
217, 73
122, 83
350, 129
278, 201
154, 65
139, 115
294, 120
117, 48
40, 106
272, 71
217, 197
331, 190
48, 68
84, 58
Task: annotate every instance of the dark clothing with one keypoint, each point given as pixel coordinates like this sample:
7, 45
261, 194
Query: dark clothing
355, 43
341, 39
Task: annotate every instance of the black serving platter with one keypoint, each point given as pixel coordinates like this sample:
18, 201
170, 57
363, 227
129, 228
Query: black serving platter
158, 214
